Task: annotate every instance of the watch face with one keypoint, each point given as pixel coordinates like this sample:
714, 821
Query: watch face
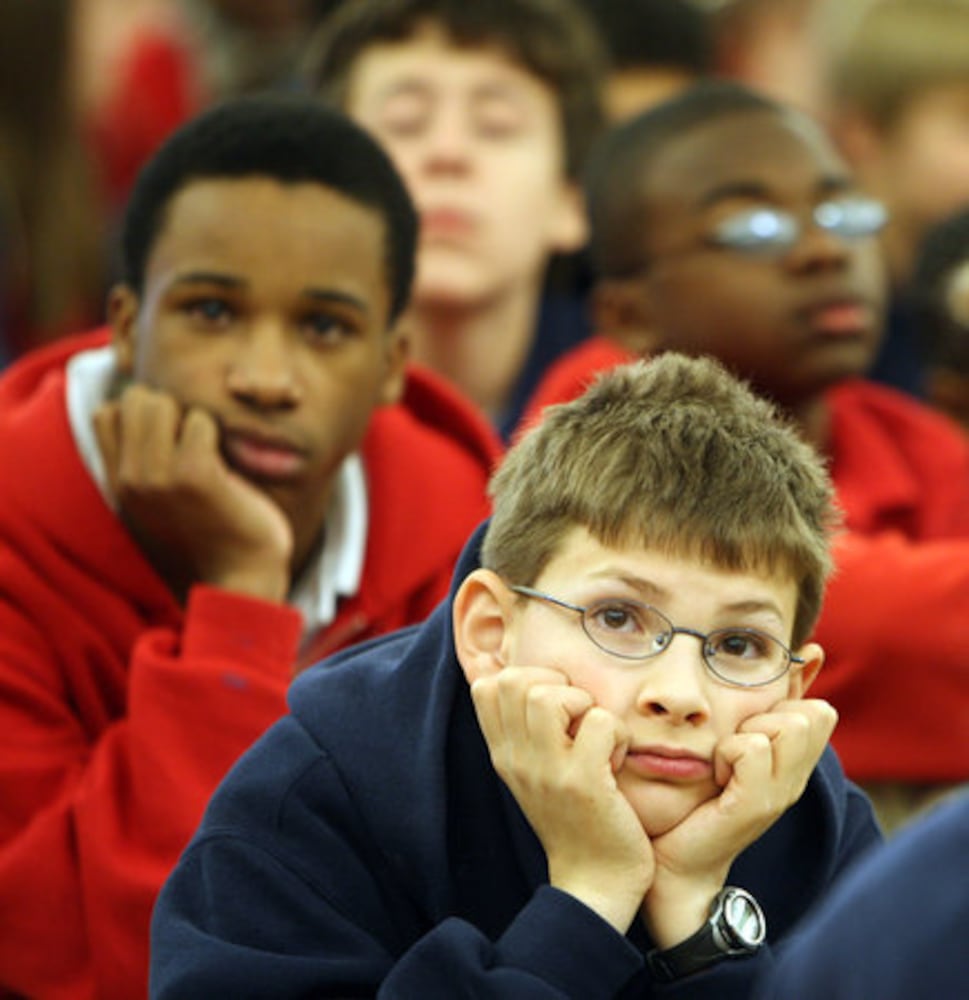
743, 919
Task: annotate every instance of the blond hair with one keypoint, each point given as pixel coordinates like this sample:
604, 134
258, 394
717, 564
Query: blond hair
673, 454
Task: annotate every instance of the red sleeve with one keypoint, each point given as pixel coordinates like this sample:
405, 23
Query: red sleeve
896, 625
91, 823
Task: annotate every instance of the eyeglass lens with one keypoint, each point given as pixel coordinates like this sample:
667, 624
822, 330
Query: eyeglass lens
637, 631
766, 229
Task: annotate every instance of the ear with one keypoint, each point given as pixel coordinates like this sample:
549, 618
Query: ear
396, 353
480, 617
569, 226
622, 311
859, 140
123, 305
802, 675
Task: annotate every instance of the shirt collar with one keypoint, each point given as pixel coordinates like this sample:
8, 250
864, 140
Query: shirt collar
336, 568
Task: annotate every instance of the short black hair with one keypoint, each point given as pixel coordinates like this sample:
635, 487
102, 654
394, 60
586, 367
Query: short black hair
554, 40
943, 337
616, 180
673, 33
290, 138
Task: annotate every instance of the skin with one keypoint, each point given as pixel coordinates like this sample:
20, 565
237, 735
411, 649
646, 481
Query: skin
478, 141
568, 727
794, 324
254, 359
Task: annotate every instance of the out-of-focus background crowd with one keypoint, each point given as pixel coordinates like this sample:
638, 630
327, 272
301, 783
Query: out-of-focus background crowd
89, 89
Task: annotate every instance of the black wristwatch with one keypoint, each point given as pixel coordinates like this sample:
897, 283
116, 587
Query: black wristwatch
736, 928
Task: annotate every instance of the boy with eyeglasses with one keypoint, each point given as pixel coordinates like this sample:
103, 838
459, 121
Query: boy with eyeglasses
726, 224
591, 773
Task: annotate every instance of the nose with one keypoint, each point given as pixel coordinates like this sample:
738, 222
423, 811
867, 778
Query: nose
818, 249
674, 683
448, 139
262, 370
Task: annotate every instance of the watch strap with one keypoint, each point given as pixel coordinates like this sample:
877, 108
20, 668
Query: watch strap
712, 943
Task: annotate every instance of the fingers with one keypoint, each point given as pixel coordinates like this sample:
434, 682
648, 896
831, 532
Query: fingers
107, 430
533, 706
149, 442
772, 755
798, 732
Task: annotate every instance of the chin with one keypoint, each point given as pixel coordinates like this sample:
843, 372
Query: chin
662, 806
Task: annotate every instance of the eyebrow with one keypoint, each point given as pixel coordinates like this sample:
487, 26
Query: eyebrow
487, 89
754, 190
327, 296
653, 591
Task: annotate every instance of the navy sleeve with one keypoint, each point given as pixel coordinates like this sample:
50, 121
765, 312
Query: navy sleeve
894, 928
233, 921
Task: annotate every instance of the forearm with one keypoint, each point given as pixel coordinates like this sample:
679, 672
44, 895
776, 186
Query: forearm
94, 827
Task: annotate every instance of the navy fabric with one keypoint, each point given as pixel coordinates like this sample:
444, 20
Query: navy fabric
366, 847
896, 928
563, 322
899, 362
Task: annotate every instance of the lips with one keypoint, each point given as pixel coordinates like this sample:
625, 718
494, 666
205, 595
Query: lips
669, 763
446, 224
844, 317
263, 457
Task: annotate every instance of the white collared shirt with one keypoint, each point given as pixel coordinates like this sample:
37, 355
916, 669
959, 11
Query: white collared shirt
336, 568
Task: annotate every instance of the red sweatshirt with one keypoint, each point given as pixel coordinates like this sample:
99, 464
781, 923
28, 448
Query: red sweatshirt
895, 624
120, 711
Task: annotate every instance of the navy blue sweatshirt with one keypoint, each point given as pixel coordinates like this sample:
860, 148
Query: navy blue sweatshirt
896, 928
365, 847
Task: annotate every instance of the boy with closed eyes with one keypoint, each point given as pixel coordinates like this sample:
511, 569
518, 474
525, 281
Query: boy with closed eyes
593, 772
488, 111
198, 506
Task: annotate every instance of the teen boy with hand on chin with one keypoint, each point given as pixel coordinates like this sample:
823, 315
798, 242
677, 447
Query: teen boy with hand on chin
199, 507
590, 773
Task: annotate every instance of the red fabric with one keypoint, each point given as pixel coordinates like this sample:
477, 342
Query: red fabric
895, 624
159, 87
121, 711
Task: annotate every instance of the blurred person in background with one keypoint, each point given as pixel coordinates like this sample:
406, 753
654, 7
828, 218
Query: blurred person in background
52, 256
488, 111
900, 113
147, 66
655, 47
940, 299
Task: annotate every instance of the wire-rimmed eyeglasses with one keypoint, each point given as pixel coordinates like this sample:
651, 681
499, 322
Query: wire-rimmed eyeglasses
766, 230
630, 630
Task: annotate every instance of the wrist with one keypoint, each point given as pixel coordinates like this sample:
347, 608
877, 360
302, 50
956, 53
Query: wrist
615, 902
675, 908
735, 928
267, 580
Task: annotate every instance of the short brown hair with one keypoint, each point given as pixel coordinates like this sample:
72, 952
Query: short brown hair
677, 455
553, 40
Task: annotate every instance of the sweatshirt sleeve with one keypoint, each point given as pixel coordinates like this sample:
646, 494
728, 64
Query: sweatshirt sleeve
894, 626
91, 822
207, 939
